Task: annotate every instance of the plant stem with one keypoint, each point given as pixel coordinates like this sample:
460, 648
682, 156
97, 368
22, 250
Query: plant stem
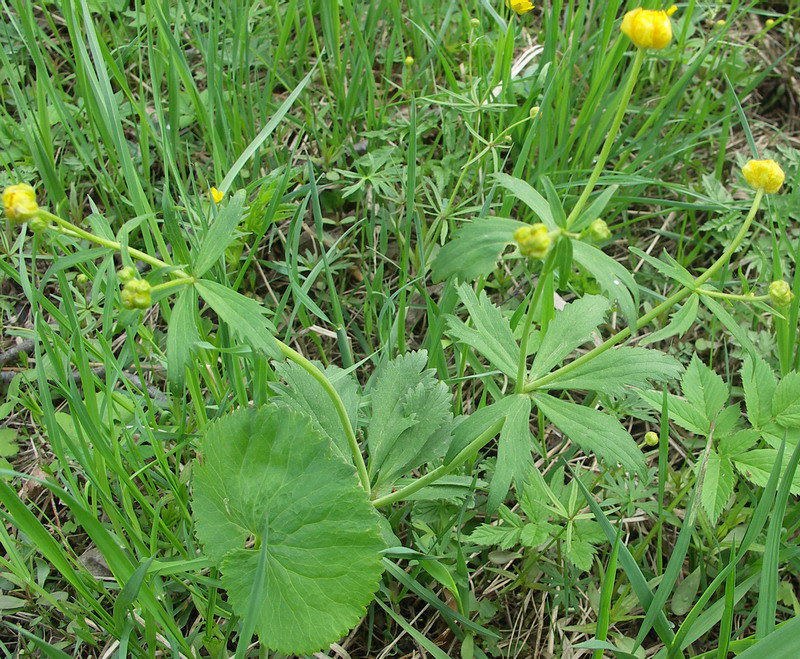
112, 244
666, 305
732, 296
167, 285
475, 445
522, 368
633, 75
341, 410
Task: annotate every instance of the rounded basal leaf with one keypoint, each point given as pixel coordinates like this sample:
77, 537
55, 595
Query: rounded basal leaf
270, 469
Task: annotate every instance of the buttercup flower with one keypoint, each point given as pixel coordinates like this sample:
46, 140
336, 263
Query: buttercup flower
533, 240
216, 195
599, 231
136, 294
764, 175
19, 202
520, 6
648, 28
780, 292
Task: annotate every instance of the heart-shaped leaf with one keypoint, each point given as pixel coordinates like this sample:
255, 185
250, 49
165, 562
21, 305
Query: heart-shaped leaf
269, 468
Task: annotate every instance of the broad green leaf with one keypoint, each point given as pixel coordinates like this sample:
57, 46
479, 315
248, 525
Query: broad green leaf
491, 335
529, 196
269, 466
680, 322
759, 385
756, 466
571, 327
718, 484
535, 534
8, 442
614, 279
411, 418
704, 389
615, 370
580, 553
514, 447
220, 234
244, 315
593, 431
304, 394
786, 400
182, 334
474, 249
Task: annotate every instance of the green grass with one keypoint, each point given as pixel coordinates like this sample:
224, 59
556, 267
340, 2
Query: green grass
357, 168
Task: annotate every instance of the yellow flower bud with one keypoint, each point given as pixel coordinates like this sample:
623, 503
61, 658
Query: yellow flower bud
765, 175
651, 438
409, 61
672, 9
599, 231
81, 279
535, 111
780, 292
19, 202
647, 28
534, 240
520, 6
38, 223
136, 294
475, 22
770, 23
216, 195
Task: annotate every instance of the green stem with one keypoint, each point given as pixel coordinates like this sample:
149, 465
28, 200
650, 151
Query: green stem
633, 75
749, 297
432, 476
526, 328
112, 244
341, 410
167, 285
666, 305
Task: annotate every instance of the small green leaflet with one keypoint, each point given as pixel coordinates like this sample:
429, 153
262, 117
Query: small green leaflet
786, 401
491, 335
614, 279
571, 327
704, 389
323, 545
759, 384
615, 370
411, 420
474, 249
593, 431
756, 466
718, 484
514, 458
244, 315
680, 322
220, 234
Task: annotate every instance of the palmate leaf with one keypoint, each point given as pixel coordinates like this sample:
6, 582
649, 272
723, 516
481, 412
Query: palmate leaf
491, 335
614, 370
270, 468
411, 419
593, 431
474, 249
304, 394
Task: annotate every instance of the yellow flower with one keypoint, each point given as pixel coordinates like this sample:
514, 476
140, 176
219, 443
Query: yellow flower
599, 231
533, 240
648, 28
136, 294
764, 175
216, 195
780, 292
770, 23
520, 6
409, 61
19, 202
